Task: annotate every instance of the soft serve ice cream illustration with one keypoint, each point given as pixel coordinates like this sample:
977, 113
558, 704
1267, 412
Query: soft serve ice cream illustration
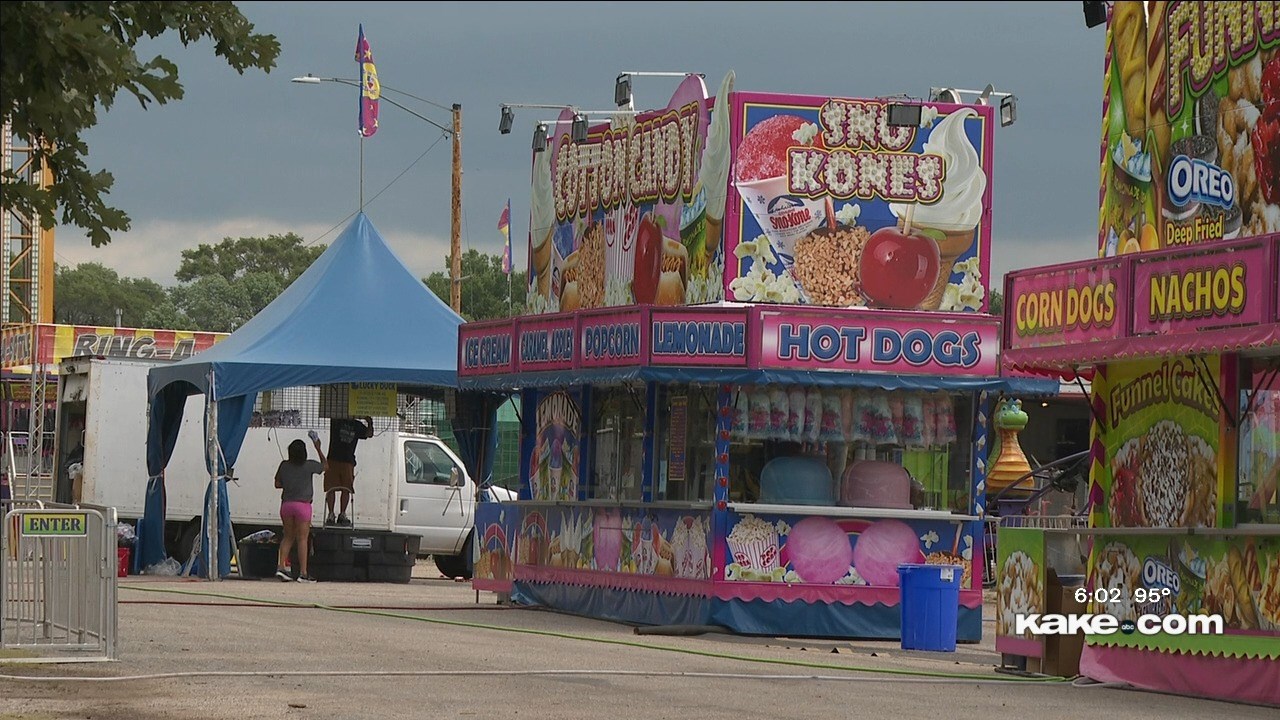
953, 219
715, 163
542, 223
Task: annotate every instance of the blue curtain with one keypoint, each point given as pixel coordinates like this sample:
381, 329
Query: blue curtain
164, 421
234, 414
475, 427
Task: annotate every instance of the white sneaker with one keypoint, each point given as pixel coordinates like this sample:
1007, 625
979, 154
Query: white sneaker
284, 576
305, 579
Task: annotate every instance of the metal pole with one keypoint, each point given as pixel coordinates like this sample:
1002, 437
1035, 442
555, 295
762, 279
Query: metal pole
211, 453
455, 235
361, 172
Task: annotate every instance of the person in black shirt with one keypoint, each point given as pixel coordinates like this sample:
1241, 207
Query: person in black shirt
340, 476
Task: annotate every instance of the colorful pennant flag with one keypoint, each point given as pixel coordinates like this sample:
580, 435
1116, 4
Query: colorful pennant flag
504, 226
370, 90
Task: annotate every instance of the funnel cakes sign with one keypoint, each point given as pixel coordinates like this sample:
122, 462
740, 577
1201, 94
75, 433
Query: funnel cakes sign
838, 207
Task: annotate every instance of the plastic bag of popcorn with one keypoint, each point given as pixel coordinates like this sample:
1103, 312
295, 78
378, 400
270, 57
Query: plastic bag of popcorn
779, 407
929, 414
795, 414
846, 410
945, 425
812, 414
741, 411
831, 426
911, 429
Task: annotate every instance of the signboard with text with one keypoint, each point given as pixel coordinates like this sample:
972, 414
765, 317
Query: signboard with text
834, 206
58, 342
486, 348
1081, 302
875, 341
611, 339
698, 337
1191, 124
1220, 287
547, 343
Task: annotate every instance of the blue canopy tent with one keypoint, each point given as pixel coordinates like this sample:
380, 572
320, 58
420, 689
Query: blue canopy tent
358, 314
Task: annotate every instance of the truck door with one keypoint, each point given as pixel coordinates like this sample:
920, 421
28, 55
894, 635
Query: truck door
435, 497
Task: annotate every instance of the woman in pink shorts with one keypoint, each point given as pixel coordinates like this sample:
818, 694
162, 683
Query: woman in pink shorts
295, 478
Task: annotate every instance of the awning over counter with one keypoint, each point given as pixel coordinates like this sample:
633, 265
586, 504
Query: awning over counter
1080, 359
883, 381
1063, 320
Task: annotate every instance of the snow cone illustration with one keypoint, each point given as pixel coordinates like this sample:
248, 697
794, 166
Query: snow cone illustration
760, 175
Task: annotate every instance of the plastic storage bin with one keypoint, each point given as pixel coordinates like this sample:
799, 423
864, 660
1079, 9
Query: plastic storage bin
258, 560
930, 606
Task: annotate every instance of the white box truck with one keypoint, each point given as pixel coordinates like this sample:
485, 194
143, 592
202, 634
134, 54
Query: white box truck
405, 482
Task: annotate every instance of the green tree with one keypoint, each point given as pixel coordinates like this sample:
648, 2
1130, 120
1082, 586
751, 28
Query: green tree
995, 305
282, 255
90, 294
484, 287
61, 61
222, 286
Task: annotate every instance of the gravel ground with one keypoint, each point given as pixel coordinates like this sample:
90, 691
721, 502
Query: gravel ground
435, 627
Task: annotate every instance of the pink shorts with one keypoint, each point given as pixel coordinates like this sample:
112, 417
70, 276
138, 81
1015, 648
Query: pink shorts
297, 510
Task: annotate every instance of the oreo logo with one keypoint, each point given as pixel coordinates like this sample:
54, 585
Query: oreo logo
1199, 181
1128, 627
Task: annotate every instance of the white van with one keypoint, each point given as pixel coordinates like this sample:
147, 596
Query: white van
405, 482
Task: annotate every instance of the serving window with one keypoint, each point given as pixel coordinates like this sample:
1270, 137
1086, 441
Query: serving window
685, 447
1257, 499
616, 430
854, 447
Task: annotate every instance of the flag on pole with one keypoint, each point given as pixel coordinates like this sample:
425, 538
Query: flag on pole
370, 90
504, 227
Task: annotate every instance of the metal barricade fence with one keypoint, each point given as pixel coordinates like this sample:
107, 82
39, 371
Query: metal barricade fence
58, 566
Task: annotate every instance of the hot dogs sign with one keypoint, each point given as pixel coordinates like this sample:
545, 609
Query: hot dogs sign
764, 198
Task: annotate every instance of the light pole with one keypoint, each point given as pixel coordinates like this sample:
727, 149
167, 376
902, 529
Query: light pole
455, 210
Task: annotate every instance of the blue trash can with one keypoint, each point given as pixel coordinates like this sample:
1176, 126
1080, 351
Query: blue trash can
930, 606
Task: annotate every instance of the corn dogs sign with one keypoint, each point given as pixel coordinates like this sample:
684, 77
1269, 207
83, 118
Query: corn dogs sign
1069, 304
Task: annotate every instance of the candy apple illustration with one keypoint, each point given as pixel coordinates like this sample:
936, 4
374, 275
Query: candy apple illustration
648, 265
899, 267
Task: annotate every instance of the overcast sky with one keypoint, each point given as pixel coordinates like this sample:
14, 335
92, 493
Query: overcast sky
255, 154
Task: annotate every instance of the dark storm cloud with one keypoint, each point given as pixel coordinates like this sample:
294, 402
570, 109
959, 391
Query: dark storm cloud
255, 151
